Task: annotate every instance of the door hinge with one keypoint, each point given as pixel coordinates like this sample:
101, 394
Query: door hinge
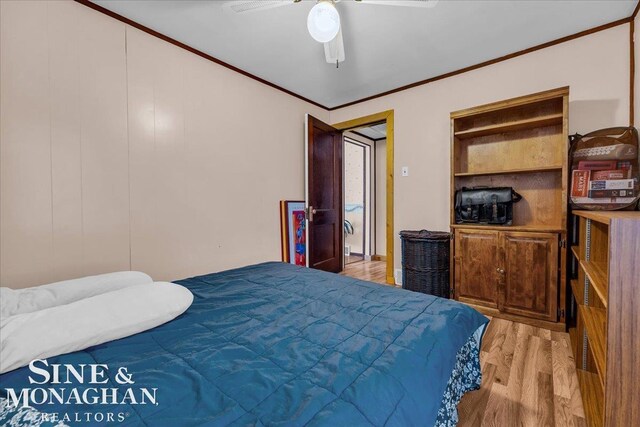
562, 243
561, 312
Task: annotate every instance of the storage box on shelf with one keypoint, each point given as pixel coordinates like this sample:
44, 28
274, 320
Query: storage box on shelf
514, 271
606, 336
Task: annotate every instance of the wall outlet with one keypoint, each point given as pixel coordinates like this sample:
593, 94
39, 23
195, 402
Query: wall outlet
405, 171
398, 276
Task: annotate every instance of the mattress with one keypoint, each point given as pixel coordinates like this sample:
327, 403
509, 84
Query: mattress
275, 344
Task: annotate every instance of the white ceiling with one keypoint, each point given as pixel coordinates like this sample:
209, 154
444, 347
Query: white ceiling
386, 47
374, 132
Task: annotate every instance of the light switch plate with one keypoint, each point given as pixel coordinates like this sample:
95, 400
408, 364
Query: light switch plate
405, 171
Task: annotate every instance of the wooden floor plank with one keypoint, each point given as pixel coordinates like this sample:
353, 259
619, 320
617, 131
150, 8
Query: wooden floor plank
564, 356
527, 403
495, 412
544, 360
472, 410
506, 353
545, 415
528, 374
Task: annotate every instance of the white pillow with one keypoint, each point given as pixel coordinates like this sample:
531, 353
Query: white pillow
88, 322
18, 301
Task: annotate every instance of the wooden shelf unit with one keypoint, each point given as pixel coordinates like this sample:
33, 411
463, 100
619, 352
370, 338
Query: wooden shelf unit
520, 143
607, 340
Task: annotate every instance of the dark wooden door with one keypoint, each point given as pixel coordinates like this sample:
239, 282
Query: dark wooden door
476, 261
530, 274
324, 196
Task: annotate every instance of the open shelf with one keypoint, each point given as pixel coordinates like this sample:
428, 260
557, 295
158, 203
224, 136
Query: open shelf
573, 341
595, 322
575, 251
592, 397
597, 278
550, 120
577, 291
605, 217
511, 171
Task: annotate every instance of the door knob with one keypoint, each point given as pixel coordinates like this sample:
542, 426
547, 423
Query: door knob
500, 270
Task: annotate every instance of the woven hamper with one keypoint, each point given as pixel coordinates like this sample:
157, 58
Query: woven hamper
425, 262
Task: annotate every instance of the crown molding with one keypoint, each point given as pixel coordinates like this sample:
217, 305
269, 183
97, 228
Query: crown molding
161, 36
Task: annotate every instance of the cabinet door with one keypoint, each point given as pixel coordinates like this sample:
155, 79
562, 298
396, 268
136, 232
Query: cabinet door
476, 259
530, 282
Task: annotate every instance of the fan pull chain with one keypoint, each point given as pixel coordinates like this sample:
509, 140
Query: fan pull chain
337, 64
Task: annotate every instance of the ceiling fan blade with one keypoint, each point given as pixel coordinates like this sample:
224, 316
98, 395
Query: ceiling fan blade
406, 3
334, 50
248, 6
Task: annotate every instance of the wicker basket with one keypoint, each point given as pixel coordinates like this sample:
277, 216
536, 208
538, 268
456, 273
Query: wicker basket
425, 262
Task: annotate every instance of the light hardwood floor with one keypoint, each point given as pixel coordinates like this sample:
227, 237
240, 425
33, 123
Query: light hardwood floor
528, 379
373, 271
528, 374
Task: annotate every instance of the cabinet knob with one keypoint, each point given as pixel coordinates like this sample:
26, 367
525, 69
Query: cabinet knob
500, 270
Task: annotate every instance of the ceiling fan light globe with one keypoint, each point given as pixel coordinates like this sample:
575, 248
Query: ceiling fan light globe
323, 22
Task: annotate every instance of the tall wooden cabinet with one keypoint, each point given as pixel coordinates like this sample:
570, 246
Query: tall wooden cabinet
606, 337
514, 271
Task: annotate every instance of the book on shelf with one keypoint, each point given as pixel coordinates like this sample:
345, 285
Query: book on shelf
611, 193
627, 166
603, 200
580, 183
612, 184
597, 164
608, 174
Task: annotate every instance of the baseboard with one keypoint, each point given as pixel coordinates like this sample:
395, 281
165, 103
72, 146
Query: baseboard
378, 258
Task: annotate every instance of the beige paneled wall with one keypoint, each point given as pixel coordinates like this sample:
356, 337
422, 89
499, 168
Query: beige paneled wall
212, 152
595, 66
121, 151
64, 201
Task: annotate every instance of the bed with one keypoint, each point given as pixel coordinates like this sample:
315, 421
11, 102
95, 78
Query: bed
276, 344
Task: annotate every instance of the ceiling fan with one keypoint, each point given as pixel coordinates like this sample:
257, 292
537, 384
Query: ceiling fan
323, 21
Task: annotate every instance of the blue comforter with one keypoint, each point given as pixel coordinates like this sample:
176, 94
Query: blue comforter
275, 344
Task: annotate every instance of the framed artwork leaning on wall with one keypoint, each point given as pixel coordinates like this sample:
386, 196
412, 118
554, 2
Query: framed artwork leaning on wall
292, 229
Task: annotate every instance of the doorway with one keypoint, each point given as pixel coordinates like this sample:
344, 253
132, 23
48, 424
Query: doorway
357, 199
380, 247
365, 194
